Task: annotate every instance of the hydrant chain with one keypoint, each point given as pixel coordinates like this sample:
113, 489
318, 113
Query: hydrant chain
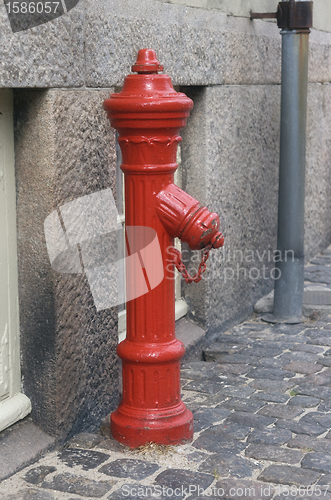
180, 266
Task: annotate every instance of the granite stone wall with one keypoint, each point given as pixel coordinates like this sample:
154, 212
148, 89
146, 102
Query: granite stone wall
230, 67
64, 150
230, 158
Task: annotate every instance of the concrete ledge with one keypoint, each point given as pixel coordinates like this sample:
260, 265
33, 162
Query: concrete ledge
20, 445
192, 337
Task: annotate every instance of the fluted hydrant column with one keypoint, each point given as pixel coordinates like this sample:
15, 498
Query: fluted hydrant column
148, 115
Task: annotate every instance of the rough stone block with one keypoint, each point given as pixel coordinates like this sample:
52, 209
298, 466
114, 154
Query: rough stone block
197, 47
87, 459
286, 474
241, 488
64, 151
281, 411
273, 453
250, 420
312, 429
304, 401
49, 55
237, 467
317, 461
177, 478
21, 444
70, 483
126, 467
269, 436
217, 171
38, 474
307, 443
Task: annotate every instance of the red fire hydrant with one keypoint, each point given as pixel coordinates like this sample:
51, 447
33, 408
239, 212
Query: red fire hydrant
148, 114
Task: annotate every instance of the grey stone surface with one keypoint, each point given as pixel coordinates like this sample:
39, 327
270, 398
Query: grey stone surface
269, 436
30, 494
304, 401
307, 443
301, 427
84, 440
238, 359
205, 176
205, 417
21, 444
135, 469
325, 361
237, 369
215, 351
87, 459
280, 411
150, 492
212, 387
273, 453
241, 488
316, 417
192, 337
249, 405
294, 356
223, 466
318, 379
318, 392
325, 480
321, 20
50, 55
271, 385
286, 474
220, 443
272, 397
64, 150
271, 374
240, 392
176, 478
70, 483
249, 420
317, 461
224, 431
240, 447
313, 349
301, 367
203, 47
317, 294
325, 406
38, 474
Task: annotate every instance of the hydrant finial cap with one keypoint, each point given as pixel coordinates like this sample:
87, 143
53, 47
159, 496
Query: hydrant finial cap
147, 62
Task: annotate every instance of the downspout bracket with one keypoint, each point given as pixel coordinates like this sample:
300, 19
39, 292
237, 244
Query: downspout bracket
290, 15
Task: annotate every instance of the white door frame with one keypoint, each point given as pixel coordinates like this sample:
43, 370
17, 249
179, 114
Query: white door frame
13, 404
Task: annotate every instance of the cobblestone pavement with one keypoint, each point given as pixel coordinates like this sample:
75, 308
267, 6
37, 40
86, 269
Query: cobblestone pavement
262, 416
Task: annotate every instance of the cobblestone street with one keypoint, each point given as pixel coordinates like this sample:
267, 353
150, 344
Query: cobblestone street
261, 402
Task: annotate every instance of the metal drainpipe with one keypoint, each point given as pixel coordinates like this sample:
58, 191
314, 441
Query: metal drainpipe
295, 19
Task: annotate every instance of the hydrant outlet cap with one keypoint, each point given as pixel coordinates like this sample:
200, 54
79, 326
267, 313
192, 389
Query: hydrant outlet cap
147, 62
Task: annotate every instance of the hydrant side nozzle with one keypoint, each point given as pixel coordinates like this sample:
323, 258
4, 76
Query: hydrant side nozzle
183, 217
218, 240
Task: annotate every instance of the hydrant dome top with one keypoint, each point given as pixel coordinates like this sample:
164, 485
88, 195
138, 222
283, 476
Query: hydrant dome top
148, 91
147, 62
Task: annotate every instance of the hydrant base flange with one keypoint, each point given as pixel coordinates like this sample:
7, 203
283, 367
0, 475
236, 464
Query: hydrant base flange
163, 426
